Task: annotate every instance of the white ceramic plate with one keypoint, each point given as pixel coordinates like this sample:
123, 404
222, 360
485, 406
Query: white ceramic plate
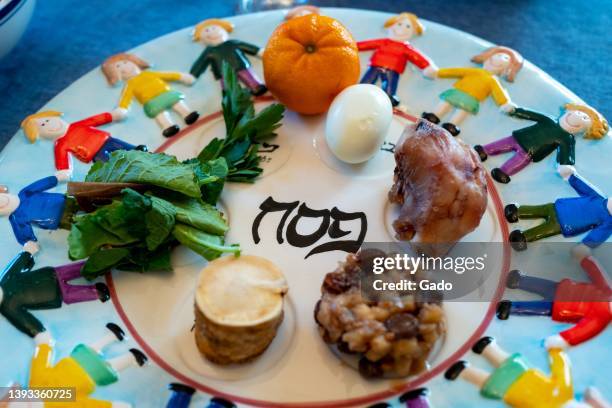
298, 369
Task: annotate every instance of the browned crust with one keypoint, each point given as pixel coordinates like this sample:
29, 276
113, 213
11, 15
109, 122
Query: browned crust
230, 344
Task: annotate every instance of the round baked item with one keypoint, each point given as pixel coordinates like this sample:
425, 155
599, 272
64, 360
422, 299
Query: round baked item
393, 337
238, 308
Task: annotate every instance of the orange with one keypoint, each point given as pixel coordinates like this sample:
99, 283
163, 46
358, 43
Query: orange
308, 61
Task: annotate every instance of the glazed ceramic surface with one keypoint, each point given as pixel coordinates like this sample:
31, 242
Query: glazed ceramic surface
298, 369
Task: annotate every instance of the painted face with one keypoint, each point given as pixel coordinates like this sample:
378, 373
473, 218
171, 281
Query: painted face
574, 121
213, 35
8, 203
402, 30
126, 69
51, 127
497, 63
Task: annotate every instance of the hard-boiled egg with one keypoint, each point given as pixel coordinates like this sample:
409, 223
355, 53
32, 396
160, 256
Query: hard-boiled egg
357, 123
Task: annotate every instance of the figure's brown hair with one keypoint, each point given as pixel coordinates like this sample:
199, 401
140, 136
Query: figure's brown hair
109, 70
196, 35
418, 27
516, 60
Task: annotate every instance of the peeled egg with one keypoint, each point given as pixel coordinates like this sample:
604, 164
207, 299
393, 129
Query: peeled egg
357, 123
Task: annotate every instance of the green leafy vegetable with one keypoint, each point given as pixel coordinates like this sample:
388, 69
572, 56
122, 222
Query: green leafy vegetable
159, 222
156, 169
200, 215
136, 232
208, 245
244, 131
105, 227
103, 260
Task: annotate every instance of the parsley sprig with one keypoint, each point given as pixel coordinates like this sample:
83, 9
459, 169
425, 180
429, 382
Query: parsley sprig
245, 131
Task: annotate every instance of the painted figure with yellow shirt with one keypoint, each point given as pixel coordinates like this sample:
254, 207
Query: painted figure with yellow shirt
518, 385
475, 85
151, 89
83, 370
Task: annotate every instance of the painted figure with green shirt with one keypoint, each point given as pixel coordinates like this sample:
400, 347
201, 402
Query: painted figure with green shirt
518, 385
214, 35
151, 89
83, 370
535, 142
23, 289
475, 85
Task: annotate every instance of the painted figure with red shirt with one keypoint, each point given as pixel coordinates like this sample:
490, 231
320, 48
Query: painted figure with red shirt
391, 54
82, 139
589, 305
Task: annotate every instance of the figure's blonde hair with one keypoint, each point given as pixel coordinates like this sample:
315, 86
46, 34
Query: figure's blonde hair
296, 11
30, 129
516, 60
109, 70
418, 27
599, 125
197, 31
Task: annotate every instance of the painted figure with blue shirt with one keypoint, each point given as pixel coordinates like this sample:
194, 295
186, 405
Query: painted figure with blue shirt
570, 216
33, 206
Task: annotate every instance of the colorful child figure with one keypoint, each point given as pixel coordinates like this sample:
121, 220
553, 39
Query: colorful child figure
475, 85
589, 305
83, 370
517, 384
34, 206
23, 289
151, 89
391, 54
214, 35
416, 398
570, 216
82, 139
547, 134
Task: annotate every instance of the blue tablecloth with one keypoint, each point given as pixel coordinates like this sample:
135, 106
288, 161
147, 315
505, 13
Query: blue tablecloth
569, 39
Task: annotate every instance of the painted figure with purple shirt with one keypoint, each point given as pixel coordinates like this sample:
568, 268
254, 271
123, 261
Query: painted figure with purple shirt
23, 289
534, 143
570, 216
214, 35
34, 206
